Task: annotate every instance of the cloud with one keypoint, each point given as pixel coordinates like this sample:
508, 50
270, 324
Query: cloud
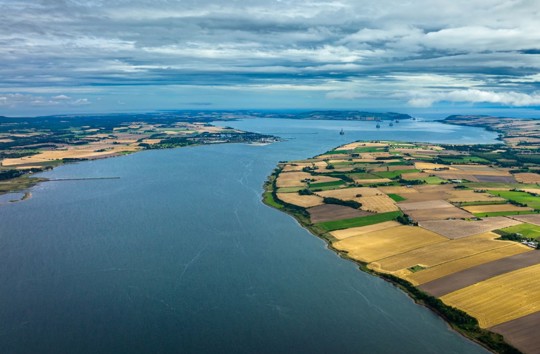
510, 98
351, 49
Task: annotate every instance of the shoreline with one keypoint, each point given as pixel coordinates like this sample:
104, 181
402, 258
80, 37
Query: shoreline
456, 319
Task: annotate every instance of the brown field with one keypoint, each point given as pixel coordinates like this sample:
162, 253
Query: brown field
439, 214
466, 277
443, 252
296, 167
494, 208
378, 203
448, 268
454, 229
452, 175
350, 193
372, 181
462, 196
495, 179
500, 299
357, 231
388, 242
330, 212
304, 201
522, 332
527, 177
531, 218
431, 204
481, 170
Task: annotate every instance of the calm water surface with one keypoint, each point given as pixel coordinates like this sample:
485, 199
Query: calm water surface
180, 256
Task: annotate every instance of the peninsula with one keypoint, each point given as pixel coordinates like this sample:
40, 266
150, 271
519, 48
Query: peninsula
31, 145
456, 226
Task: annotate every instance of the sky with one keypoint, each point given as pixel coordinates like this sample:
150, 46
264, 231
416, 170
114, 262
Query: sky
86, 56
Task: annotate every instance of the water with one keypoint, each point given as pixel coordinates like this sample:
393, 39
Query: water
180, 256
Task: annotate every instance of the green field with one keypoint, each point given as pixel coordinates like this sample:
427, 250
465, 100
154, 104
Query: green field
394, 174
362, 176
519, 197
289, 189
526, 230
503, 213
336, 152
361, 221
396, 197
464, 160
369, 149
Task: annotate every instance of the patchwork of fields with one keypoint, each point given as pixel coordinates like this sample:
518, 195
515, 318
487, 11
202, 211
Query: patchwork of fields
460, 227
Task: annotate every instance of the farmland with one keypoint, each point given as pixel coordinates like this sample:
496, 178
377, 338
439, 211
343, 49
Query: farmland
501, 298
435, 217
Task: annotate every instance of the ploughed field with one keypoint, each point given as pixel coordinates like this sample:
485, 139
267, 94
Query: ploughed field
459, 225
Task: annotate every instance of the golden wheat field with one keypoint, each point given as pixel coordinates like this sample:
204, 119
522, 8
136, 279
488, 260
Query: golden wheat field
378, 203
372, 181
433, 255
457, 265
90, 151
305, 201
431, 166
361, 230
388, 242
527, 177
501, 298
494, 208
294, 179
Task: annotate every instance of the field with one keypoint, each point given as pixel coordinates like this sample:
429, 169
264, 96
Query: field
330, 212
465, 196
527, 177
388, 242
350, 193
420, 215
522, 332
493, 208
396, 197
294, 179
461, 228
500, 299
460, 264
433, 255
378, 203
431, 204
91, 151
304, 201
526, 230
363, 221
531, 218
519, 197
467, 277
357, 231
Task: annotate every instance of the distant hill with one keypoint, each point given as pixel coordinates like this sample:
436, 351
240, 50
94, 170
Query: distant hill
351, 115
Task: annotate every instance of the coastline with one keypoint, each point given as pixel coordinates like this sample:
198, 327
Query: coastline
458, 320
